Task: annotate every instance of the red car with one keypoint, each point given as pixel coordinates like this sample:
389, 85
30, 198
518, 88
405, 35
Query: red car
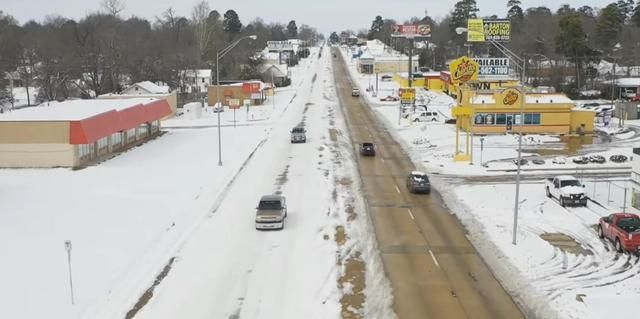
389, 98
623, 230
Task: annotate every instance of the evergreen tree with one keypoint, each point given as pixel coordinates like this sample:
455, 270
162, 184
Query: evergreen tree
609, 25
376, 28
515, 12
334, 38
292, 29
462, 11
231, 22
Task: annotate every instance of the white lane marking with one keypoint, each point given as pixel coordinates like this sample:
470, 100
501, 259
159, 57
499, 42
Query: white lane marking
435, 261
410, 214
397, 189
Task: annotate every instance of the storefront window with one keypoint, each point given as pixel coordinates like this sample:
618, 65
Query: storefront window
501, 119
527, 118
489, 119
479, 119
535, 119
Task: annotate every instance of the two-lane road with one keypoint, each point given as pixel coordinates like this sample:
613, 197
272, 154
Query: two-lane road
434, 270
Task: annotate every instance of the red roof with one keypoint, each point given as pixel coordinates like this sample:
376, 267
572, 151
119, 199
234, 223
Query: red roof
96, 127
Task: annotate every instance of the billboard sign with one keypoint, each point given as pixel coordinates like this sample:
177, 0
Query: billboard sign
464, 70
412, 31
481, 30
493, 67
407, 95
279, 46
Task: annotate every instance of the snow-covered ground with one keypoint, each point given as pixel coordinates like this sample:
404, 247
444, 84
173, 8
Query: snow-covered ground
549, 282
168, 200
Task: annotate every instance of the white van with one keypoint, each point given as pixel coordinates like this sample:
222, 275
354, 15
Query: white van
426, 116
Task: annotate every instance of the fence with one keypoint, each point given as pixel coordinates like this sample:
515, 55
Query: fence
615, 194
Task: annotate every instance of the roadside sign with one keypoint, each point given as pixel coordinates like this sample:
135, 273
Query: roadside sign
412, 31
464, 70
493, 67
279, 46
482, 30
407, 95
234, 104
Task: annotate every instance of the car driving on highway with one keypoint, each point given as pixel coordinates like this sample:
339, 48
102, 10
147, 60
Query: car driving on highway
298, 135
418, 182
623, 230
355, 92
367, 149
271, 212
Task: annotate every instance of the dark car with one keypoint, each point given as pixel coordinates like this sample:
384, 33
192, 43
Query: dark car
522, 162
418, 182
581, 160
367, 149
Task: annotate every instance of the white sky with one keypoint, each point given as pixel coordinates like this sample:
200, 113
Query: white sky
326, 15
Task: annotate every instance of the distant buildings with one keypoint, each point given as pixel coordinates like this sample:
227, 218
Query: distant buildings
146, 89
195, 81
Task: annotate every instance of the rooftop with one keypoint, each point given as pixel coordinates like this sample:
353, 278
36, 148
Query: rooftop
74, 110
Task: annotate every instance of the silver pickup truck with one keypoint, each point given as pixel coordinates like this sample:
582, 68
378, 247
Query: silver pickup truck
271, 212
298, 135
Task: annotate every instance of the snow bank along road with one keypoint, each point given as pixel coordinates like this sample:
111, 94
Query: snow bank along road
434, 270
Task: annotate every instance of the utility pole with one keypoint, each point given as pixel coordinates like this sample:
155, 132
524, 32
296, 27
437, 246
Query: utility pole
410, 62
517, 203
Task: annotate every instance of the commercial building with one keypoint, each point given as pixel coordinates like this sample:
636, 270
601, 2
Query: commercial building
195, 81
543, 114
253, 92
74, 133
376, 57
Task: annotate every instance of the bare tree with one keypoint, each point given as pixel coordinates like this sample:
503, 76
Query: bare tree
113, 7
202, 32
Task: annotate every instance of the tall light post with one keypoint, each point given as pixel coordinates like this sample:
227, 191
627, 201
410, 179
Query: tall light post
219, 55
521, 100
67, 247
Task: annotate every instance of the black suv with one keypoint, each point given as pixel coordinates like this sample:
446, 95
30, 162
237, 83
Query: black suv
418, 182
367, 149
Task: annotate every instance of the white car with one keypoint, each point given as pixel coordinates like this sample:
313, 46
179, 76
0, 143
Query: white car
559, 160
425, 116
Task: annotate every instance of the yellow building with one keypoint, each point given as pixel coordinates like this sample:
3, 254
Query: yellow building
543, 114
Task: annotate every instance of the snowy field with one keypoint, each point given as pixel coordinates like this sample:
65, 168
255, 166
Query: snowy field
551, 282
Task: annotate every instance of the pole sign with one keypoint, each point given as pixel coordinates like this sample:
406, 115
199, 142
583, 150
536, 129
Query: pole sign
234, 104
407, 95
482, 30
279, 46
493, 67
464, 70
412, 31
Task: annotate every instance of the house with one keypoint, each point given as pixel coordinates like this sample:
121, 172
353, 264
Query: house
195, 81
278, 73
145, 88
251, 92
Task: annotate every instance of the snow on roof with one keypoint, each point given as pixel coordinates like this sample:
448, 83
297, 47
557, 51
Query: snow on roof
530, 99
152, 87
566, 178
417, 173
627, 82
73, 110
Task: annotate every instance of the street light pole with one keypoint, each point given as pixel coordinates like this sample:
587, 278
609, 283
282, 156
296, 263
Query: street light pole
517, 203
67, 247
219, 55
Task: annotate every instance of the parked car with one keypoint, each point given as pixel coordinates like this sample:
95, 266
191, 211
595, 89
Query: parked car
298, 135
389, 98
450, 120
522, 162
618, 158
418, 182
581, 160
567, 189
597, 159
367, 149
218, 109
538, 161
425, 116
559, 160
355, 92
271, 212
386, 78
623, 230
